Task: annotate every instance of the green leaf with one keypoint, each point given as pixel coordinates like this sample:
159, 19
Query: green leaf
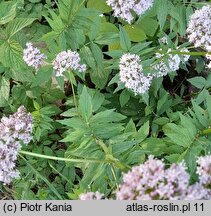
124, 39
198, 81
7, 12
44, 74
99, 5
95, 28
18, 24
208, 100
154, 146
85, 105
179, 135
143, 132
124, 97
149, 26
162, 12
178, 14
98, 55
11, 54
88, 57
200, 114
135, 33
138, 47
130, 127
4, 91
161, 121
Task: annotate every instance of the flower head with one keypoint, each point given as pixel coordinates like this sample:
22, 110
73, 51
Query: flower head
142, 181
197, 192
17, 126
14, 130
131, 74
169, 63
68, 60
8, 156
204, 169
123, 8
152, 181
32, 56
199, 31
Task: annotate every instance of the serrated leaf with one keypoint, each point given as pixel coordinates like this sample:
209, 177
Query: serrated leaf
135, 33
178, 134
88, 57
124, 97
124, 39
18, 24
7, 12
11, 54
4, 88
85, 105
99, 5
143, 132
153, 146
162, 12
149, 26
138, 47
198, 81
208, 100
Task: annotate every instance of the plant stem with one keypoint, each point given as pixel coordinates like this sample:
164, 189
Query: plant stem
74, 96
205, 132
114, 175
185, 53
60, 158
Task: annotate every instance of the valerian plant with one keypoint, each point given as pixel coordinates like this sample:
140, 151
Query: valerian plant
105, 93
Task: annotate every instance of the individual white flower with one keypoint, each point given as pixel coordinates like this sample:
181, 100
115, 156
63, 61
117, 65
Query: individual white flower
131, 74
32, 56
68, 60
123, 8
164, 40
199, 28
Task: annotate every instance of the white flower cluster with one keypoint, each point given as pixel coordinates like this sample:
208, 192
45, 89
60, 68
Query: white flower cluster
131, 74
199, 30
91, 196
32, 56
8, 156
14, 131
68, 60
171, 64
123, 8
151, 181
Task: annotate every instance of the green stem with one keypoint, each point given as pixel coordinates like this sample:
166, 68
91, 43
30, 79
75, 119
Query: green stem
109, 157
115, 178
60, 158
74, 96
185, 53
102, 145
205, 132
